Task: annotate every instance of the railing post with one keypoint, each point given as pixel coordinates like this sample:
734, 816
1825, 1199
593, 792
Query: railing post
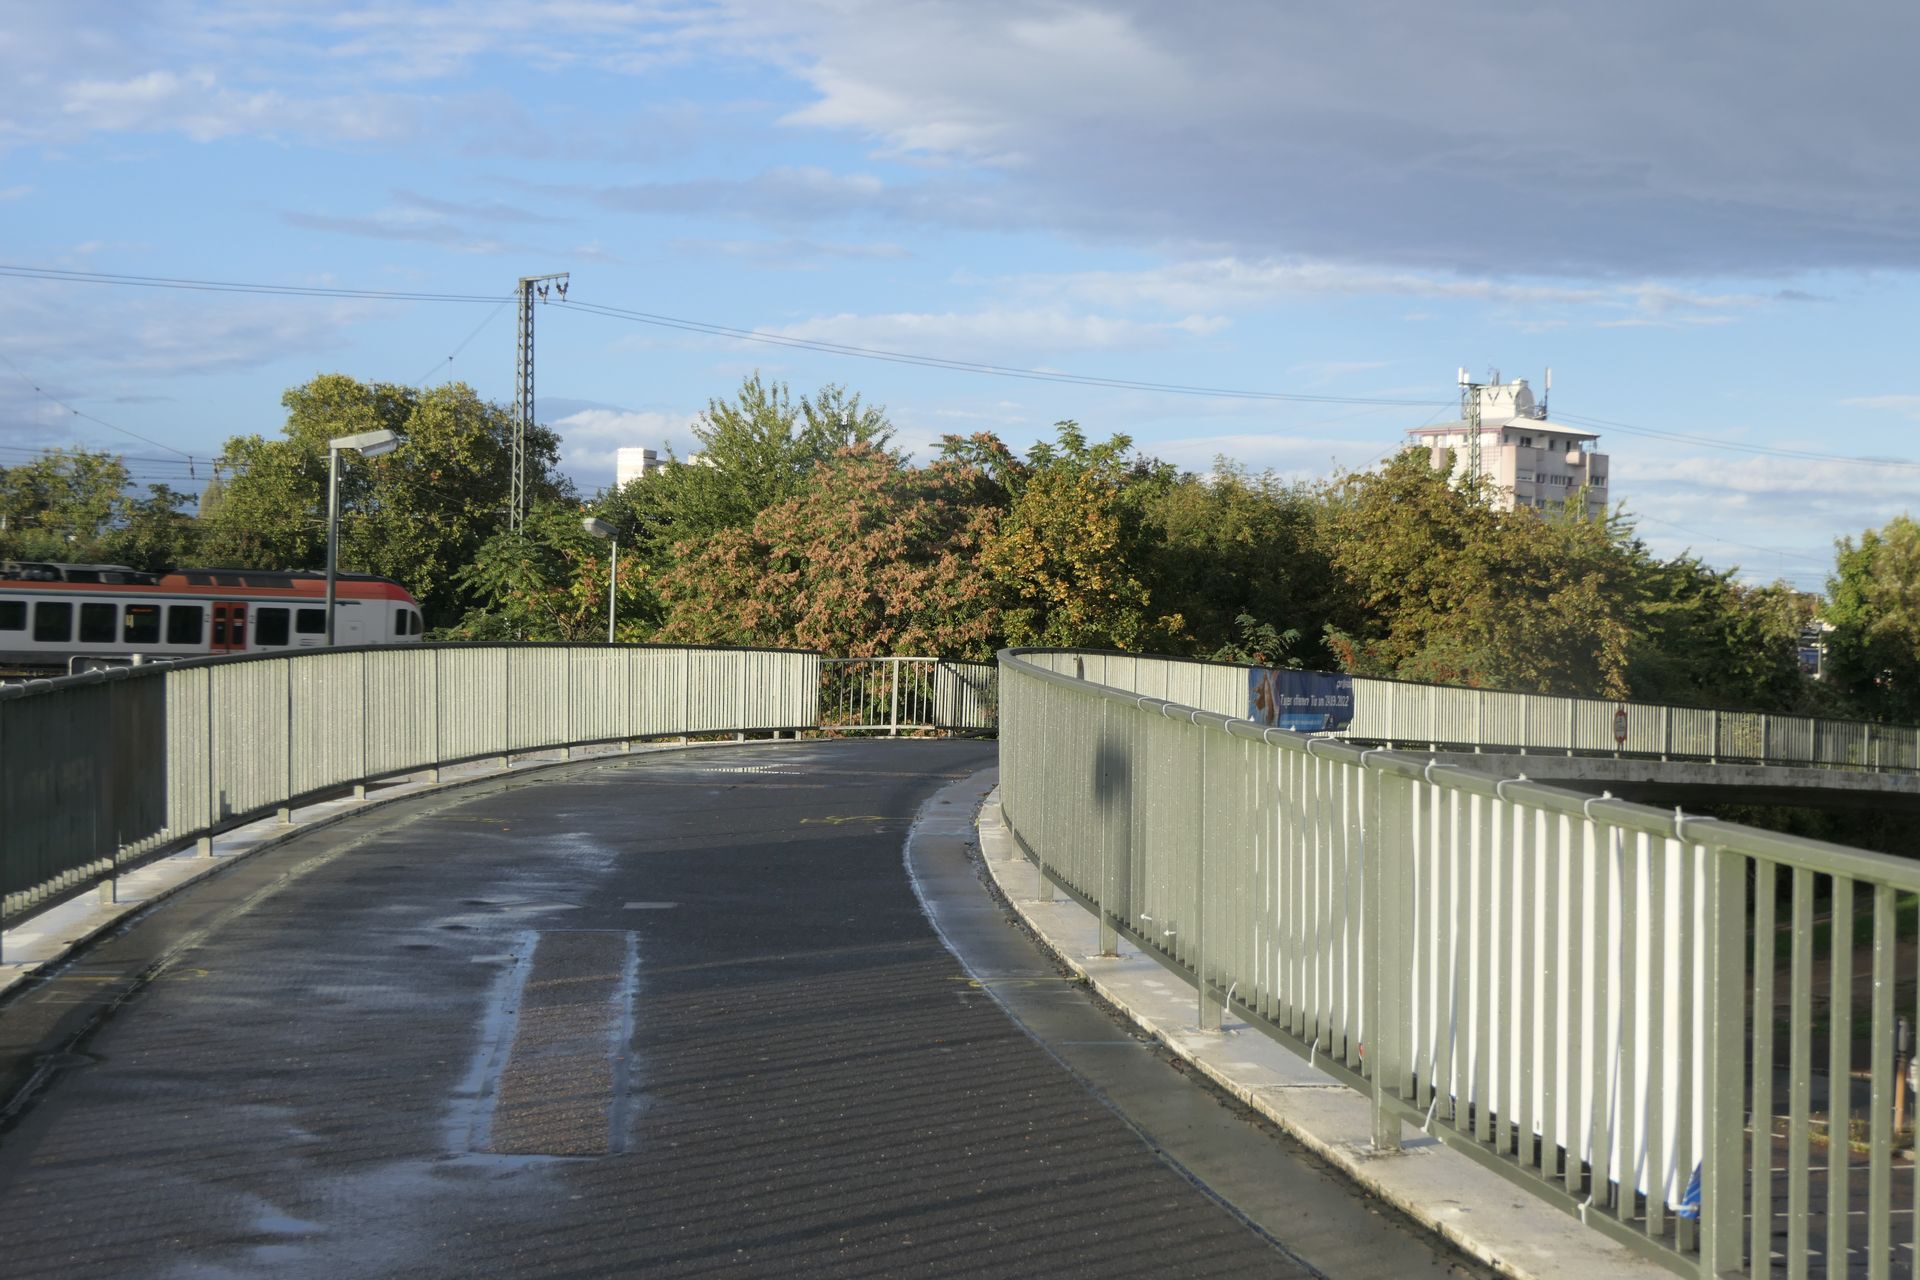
893, 717
1723, 1162
286, 809
439, 744
1211, 1007
1110, 812
1387, 1130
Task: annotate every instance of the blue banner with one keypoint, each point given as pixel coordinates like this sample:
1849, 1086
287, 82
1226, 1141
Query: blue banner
1304, 701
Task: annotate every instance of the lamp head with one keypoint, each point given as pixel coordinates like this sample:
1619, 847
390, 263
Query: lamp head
599, 528
368, 444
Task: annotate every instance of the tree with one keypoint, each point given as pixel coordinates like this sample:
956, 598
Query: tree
62, 505
1450, 590
418, 515
1701, 637
549, 582
1873, 652
871, 556
1066, 557
1239, 558
756, 451
156, 533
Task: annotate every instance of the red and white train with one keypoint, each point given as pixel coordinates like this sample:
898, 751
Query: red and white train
51, 614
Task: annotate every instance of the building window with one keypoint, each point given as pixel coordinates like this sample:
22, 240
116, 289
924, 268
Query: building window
52, 621
1526, 442
270, 626
141, 624
97, 622
183, 623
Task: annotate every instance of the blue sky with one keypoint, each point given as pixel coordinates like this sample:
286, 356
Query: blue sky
1702, 218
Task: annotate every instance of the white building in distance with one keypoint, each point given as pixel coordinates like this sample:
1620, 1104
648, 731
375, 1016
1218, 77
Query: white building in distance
1529, 460
635, 464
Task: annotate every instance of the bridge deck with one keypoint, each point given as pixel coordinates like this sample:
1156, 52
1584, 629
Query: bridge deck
674, 1015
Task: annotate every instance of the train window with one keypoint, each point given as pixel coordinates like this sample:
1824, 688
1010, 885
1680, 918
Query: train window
141, 624
97, 622
52, 621
270, 626
310, 622
413, 623
183, 623
399, 622
13, 615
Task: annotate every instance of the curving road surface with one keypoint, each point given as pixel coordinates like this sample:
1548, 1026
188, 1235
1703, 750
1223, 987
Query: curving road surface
679, 1014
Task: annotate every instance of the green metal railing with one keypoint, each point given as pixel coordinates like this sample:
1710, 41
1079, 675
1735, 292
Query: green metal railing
98, 771
1442, 717
1642, 1017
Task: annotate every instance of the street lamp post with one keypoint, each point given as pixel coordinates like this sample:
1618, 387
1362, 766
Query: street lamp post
368, 444
601, 529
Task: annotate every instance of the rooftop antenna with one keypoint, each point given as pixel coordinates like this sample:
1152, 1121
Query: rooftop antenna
1470, 414
1546, 393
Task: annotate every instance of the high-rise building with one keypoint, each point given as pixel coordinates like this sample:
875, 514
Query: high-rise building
636, 464
1527, 459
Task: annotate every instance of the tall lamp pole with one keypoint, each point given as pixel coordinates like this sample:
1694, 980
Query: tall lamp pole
368, 444
601, 529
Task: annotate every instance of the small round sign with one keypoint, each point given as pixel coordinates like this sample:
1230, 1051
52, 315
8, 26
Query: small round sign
1620, 727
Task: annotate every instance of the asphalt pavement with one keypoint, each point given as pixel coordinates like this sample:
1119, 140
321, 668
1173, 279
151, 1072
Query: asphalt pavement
681, 1014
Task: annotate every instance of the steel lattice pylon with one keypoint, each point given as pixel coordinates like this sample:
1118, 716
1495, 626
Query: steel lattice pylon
523, 395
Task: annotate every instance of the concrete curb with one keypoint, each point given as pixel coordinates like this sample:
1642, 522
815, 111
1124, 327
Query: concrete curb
36, 942
1478, 1210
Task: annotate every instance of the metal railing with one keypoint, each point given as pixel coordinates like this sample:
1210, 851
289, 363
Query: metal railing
1626, 1011
100, 770
1441, 717
891, 694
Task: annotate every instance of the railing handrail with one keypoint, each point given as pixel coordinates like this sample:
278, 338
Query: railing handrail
1566, 723
1816, 855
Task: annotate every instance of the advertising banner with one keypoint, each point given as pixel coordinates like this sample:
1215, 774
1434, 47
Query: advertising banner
1304, 701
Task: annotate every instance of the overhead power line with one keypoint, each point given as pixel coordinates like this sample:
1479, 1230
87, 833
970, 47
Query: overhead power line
1804, 455
966, 366
695, 326
736, 333
237, 286
158, 444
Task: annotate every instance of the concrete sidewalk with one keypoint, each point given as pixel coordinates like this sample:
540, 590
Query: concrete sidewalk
1483, 1213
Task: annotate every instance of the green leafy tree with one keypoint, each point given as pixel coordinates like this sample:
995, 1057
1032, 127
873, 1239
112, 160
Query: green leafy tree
418, 515
1700, 637
549, 582
871, 556
1451, 590
156, 533
62, 506
1873, 652
756, 451
1068, 555
1239, 558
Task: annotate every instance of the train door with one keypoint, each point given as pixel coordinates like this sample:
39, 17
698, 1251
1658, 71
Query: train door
229, 626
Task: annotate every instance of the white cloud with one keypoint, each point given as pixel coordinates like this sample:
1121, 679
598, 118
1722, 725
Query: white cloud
1905, 405
1227, 283
1003, 330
